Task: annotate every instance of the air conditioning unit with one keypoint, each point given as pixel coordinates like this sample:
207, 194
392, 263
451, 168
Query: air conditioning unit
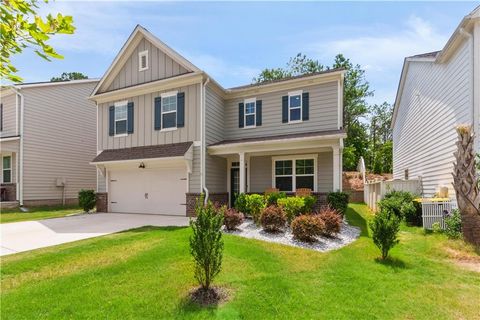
60, 182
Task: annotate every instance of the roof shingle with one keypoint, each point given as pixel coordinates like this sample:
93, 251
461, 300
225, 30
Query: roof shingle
146, 152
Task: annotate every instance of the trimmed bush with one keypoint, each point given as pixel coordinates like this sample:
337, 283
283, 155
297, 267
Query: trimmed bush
338, 200
403, 195
293, 206
392, 205
255, 205
272, 198
401, 203
206, 243
273, 219
309, 203
307, 227
86, 199
385, 226
241, 203
232, 218
453, 225
332, 220
415, 218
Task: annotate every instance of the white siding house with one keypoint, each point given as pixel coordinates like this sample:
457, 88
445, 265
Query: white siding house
437, 91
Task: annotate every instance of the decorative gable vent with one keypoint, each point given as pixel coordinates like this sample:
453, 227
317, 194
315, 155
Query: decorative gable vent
142, 60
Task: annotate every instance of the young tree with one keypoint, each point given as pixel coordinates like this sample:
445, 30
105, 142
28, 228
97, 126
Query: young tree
22, 27
68, 76
385, 226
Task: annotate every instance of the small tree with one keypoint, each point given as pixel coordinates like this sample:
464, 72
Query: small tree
69, 76
206, 244
86, 199
385, 227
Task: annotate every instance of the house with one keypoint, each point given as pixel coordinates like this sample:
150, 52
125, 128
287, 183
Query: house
437, 91
47, 140
168, 132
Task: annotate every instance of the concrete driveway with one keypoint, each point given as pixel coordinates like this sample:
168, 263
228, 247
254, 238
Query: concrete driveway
29, 235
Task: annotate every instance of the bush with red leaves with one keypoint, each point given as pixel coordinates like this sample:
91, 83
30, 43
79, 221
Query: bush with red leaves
232, 219
273, 219
307, 227
331, 219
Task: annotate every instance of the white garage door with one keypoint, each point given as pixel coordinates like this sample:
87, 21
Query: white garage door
154, 191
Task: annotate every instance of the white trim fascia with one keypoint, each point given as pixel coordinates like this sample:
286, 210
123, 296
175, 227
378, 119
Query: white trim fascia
294, 157
140, 55
163, 159
169, 94
9, 139
56, 83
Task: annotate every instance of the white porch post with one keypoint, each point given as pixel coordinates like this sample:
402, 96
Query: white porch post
336, 169
242, 172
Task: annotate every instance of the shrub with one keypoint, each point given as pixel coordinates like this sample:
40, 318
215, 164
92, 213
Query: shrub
385, 226
86, 199
309, 203
436, 227
273, 219
392, 205
453, 225
272, 198
332, 220
206, 243
232, 218
293, 206
338, 200
307, 227
241, 203
255, 205
402, 205
402, 195
414, 218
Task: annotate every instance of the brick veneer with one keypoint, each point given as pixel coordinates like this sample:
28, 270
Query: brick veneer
11, 191
101, 201
220, 198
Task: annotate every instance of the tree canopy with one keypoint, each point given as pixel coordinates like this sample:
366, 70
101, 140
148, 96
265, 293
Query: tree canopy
67, 76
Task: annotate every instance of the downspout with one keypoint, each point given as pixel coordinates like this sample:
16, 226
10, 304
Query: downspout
202, 139
469, 38
20, 174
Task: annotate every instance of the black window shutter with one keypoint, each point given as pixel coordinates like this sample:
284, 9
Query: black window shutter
180, 109
285, 109
258, 113
111, 120
130, 118
158, 113
240, 115
1, 116
305, 106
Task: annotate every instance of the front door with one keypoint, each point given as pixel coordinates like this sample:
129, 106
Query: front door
234, 184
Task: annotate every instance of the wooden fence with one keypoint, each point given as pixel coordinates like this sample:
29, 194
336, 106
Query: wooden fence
374, 191
436, 211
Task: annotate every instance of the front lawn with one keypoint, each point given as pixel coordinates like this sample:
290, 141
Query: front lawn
37, 213
147, 273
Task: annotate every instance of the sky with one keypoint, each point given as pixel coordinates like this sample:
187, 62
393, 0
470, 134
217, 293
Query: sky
234, 41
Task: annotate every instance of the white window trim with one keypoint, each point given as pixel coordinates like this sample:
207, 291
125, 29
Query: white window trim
140, 55
166, 95
254, 100
296, 93
9, 169
116, 105
293, 158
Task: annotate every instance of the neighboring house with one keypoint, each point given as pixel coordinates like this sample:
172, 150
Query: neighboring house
168, 132
47, 140
437, 92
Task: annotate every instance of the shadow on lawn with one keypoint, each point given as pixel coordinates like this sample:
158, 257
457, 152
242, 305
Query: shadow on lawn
152, 228
356, 219
392, 262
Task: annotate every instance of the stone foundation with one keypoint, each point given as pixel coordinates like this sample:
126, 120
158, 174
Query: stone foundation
10, 191
101, 201
216, 198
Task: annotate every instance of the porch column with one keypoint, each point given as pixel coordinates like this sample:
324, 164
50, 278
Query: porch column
242, 172
336, 169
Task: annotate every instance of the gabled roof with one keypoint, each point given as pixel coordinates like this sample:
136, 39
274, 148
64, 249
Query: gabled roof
135, 37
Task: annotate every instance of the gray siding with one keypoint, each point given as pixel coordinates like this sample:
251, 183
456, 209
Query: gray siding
436, 98
101, 183
160, 66
323, 113
194, 177
9, 115
59, 140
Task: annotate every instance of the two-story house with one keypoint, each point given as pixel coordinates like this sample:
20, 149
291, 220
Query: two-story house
47, 139
168, 132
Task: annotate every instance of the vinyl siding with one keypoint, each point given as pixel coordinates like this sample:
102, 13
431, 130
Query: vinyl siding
59, 140
323, 113
194, 177
436, 98
160, 66
9, 116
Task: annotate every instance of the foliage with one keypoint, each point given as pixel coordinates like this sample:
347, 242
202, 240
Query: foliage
350, 160
338, 201
21, 27
293, 206
380, 155
241, 203
68, 76
307, 227
232, 218
206, 243
436, 227
273, 218
309, 203
453, 225
403, 195
255, 204
272, 198
385, 226
393, 205
86, 199
401, 203
331, 219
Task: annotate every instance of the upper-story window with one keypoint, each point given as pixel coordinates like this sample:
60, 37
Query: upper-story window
169, 110
143, 60
250, 112
7, 169
295, 106
121, 117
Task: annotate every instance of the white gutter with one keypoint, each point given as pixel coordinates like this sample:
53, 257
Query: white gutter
202, 139
20, 169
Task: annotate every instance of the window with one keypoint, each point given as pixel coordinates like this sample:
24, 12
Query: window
295, 172
7, 169
169, 110
295, 106
142, 60
250, 112
121, 118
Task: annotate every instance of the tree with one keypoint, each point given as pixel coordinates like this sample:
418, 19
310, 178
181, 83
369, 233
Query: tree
385, 226
380, 156
465, 182
68, 76
22, 27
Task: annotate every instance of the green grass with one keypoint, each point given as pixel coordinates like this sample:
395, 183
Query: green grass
147, 273
37, 213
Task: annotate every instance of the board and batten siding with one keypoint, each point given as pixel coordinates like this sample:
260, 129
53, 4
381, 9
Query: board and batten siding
435, 99
59, 140
9, 115
323, 109
160, 66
